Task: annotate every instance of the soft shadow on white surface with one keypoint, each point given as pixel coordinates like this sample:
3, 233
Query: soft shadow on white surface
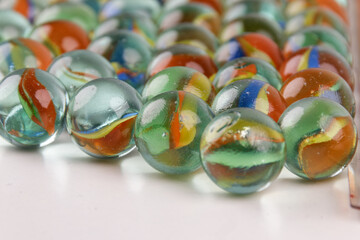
58, 192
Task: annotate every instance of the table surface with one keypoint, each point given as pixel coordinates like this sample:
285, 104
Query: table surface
59, 193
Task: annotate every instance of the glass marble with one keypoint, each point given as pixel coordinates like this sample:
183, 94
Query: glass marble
76, 68
136, 22
343, 3
264, 8
320, 36
27, 8
229, 3
214, 4
101, 117
320, 138
242, 150
315, 82
247, 68
316, 16
78, 13
95, 5
30, 8
250, 93
187, 33
21, 53
129, 54
249, 45
60, 36
115, 7
183, 55
33, 106
168, 131
253, 23
317, 57
294, 7
195, 13
179, 78
12, 25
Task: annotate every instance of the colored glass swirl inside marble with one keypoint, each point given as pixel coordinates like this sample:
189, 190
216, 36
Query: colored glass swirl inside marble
317, 57
242, 150
249, 45
136, 22
187, 33
12, 25
36, 101
33, 105
60, 36
294, 7
247, 68
315, 82
250, 93
168, 131
26, 8
183, 55
320, 136
113, 8
76, 12
109, 140
179, 78
21, 53
253, 23
320, 36
249, 7
101, 117
195, 13
128, 53
76, 68
217, 5
316, 16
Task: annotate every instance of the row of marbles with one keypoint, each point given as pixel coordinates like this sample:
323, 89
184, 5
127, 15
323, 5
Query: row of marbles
243, 147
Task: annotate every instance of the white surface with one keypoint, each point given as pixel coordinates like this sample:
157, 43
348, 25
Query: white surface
58, 192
